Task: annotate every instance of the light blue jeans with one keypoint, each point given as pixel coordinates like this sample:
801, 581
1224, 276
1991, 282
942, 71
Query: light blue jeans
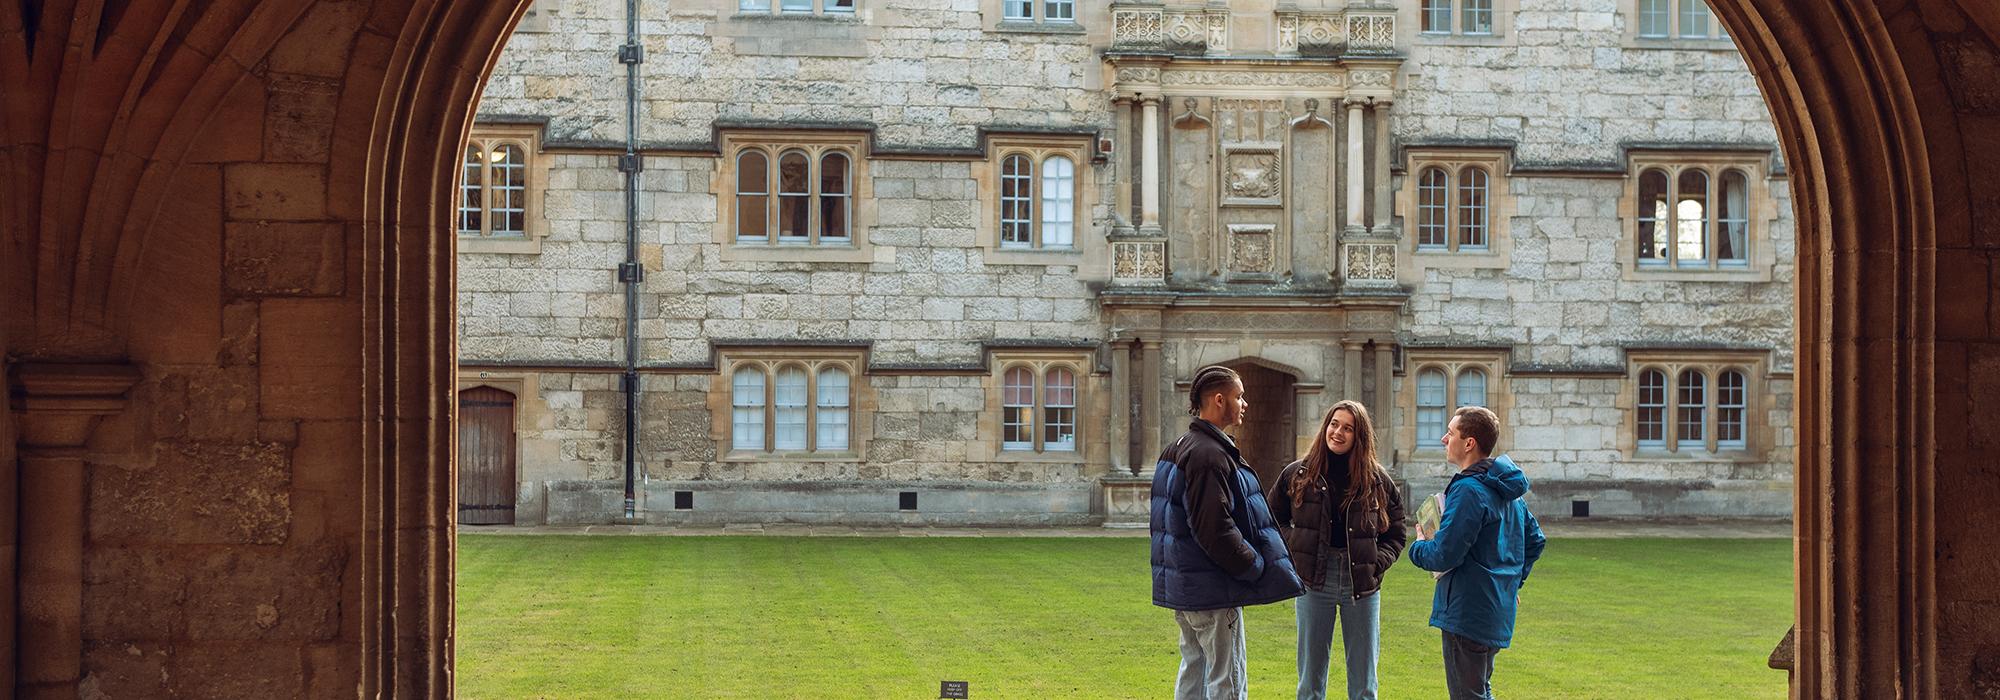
1360, 632
1213, 656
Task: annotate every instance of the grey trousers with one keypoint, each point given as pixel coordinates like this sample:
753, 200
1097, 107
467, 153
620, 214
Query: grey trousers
1468, 668
1213, 656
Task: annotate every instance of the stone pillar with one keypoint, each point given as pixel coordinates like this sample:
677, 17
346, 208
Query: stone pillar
1121, 408
1121, 164
1383, 406
1382, 219
1150, 379
1350, 376
1149, 166
1354, 161
58, 406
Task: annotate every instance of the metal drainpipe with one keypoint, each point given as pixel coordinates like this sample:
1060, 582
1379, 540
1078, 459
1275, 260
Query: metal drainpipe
631, 273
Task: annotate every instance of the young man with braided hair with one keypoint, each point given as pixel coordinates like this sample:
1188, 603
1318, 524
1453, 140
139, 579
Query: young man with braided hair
1215, 546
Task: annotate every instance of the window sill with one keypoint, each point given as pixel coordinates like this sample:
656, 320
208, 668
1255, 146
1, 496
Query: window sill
1032, 256
1455, 39
1481, 258
1681, 43
1664, 273
758, 252
762, 15
511, 245
743, 456
1728, 456
1054, 457
1024, 26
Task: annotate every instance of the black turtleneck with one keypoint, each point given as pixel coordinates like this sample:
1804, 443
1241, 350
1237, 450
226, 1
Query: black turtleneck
1336, 494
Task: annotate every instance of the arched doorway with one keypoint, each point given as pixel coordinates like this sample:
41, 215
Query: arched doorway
486, 469
1266, 436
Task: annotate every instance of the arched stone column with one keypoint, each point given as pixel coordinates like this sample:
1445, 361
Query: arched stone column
1886, 111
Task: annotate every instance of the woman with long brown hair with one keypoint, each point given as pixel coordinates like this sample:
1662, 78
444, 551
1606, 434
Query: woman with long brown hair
1342, 519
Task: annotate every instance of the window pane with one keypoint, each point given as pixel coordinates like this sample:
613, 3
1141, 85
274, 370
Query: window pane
1692, 408
1430, 408
1472, 208
1653, 18
796, 5
1479, 16
1694, 19
1652, 217
753, 5
510, 191
1017, 404
1730, 409
1058, 202
1019, 9
794, 196
752, 179
1691, 219
1437, 16
833, 196
840, 6
1652, 408
746, 427
830, 415
1471, 388
1431, 209
789, 400
471, 192
1016, 187
1733, 213
1060, 11
1059, 405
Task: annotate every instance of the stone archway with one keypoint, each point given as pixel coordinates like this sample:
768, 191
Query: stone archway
161, 156
1268, 435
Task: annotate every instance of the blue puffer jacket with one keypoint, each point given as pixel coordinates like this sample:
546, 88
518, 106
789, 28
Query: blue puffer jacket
1488, 541
1215, 544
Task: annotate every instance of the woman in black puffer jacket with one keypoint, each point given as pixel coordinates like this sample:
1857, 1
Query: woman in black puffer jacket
1341, 517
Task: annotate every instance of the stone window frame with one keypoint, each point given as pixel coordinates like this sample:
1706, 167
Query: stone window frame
536, 19
1502, 28
1500, 207
535, 225
1038, 20
1039, 362
769, 361
776, 8
1453, 362
1710, 364
1761, 215
987, 173
1715, 39
774, 143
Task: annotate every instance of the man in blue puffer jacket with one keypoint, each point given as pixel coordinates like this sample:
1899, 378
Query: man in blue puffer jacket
1487, 542
1215, 546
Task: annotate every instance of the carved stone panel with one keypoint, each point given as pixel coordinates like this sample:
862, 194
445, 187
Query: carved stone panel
1139, 262
1371, 262
1321, 35
1253, 176
1138, 28
1187, 32
1250, 251
1371, 33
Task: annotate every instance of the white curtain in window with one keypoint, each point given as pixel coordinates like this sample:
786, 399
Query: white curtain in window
789, 404
830, 415
746, 428
1058, 202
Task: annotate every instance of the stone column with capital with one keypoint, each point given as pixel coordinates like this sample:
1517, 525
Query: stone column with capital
1121, 165
1350, 375
1354, 161
1121, 407
1383, 219
1149, 166
58, 407
1151, 379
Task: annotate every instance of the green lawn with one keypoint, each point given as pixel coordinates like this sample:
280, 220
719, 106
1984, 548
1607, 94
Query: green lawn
828, 617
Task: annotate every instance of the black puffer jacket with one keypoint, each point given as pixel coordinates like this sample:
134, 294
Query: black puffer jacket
1306, 528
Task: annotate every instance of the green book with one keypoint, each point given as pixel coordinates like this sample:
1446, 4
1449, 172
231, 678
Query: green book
1429, 516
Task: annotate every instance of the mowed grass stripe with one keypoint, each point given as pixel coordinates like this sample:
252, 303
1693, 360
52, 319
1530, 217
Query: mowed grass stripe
762, 617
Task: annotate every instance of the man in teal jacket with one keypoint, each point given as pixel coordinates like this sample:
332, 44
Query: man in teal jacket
1486, 543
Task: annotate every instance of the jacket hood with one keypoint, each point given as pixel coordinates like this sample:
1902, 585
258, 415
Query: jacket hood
1501, 476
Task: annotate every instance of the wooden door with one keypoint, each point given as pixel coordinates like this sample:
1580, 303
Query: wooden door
1266, 434
485, 457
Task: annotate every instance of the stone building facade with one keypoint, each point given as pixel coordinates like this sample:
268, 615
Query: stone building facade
917, 262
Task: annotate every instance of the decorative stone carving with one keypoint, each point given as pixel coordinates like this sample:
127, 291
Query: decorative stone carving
1288, 33
1253, 175
1139, 262
1250, 249
1187, 32
1371, 261
1138, 28
1138, 75
1371, 79
1227, 78
1218, 31
1321, 34
1372, 33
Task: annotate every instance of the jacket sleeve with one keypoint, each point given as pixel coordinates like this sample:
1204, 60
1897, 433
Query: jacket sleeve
1535, 543
1389, 545
1214, 530
1280, 499
1464, 516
